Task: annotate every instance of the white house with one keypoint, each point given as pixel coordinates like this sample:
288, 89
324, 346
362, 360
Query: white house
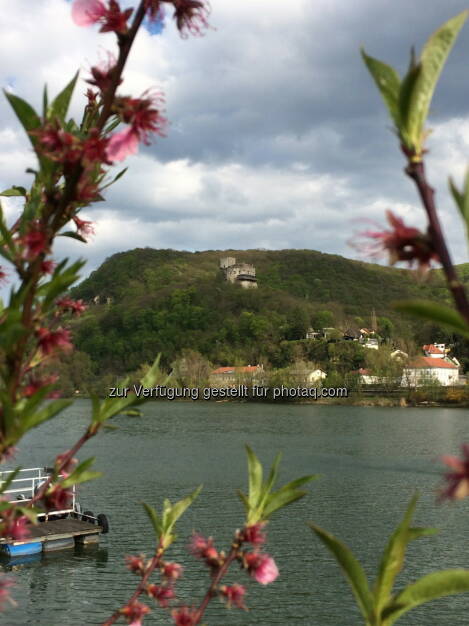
427, 369
316, 376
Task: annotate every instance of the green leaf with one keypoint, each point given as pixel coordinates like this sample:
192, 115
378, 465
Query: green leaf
392, 560
73, 235
47, 413
180, 507
155, 519
352, 570
409, 130
433, 57
45, 102
25, 113
255, 478
388, 82
59, 106
428, 588
286, 495
462, 199
436, 313
14, 191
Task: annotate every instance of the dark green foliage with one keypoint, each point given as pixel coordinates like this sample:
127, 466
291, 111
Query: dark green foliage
165, 301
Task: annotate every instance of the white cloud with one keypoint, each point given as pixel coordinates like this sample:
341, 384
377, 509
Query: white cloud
277, 137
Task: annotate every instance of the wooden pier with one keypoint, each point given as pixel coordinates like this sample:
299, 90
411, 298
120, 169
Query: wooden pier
53, 535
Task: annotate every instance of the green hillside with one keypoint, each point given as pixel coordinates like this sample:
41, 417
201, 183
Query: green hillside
165, 301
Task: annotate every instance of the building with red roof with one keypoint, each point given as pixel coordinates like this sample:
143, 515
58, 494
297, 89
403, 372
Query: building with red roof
426, 370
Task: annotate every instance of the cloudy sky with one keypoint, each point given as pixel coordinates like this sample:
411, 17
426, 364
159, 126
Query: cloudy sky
278, 138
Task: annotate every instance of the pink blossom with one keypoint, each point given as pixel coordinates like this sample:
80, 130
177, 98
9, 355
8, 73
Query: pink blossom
38, 383
172, 571
134, 613
458, 480
74, 306
403, 243
253, 534
15, 528
135, 564
144, 114
191, 16
87, 12
57, 498
184, 616
261, 567
234, 595
203, 548
162, 594
49, 340
47, 267
34, 242
84, 227
122, 144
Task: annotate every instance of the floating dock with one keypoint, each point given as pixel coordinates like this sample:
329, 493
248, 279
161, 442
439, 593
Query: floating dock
53, 535
55, 530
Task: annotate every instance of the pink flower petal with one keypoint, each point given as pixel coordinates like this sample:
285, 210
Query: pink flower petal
87, 12
122, 144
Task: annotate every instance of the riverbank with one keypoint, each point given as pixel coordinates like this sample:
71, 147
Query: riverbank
421, 397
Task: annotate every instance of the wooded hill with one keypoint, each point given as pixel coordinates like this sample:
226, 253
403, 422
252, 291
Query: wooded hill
165, 301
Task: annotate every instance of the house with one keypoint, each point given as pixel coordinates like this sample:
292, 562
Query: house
372, 343
426, 370
231, 375
312, 334
316, 376
367, 378
435, 350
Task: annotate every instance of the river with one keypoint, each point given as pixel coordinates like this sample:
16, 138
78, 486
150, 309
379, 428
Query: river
371, 460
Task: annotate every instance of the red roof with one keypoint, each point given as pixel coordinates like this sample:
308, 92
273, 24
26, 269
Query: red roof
236, 370
432, 349
427, 361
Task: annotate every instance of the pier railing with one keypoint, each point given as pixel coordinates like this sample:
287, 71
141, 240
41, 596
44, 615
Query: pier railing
25, 486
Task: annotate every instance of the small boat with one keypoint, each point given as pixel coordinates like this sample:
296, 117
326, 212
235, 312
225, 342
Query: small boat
56, 529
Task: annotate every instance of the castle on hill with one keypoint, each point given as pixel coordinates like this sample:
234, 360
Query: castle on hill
243, 274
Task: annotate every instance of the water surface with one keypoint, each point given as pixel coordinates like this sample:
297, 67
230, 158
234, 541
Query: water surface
371, 461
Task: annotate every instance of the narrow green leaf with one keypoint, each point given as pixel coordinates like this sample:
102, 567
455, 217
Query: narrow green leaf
392, 560
25, 113
14, 191
45, 102
115, 179
180, 507
428, 588
59, 106
352, 570
410, 131
154, 519
243, 499
388, 82
436, 313
73, 235
255, 478
281, 500
462, 199
286, 495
